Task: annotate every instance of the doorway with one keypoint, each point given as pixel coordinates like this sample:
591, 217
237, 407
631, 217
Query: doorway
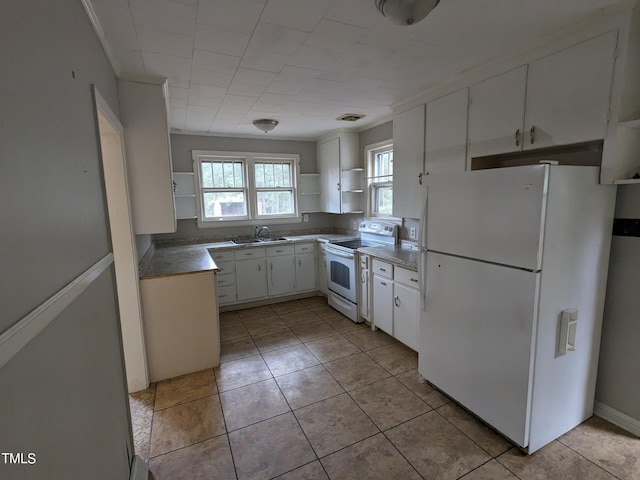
123, 244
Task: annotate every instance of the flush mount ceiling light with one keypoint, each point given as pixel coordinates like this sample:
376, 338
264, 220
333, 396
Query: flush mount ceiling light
265, 124
406, 12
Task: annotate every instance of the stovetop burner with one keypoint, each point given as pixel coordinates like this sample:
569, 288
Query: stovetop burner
355, 244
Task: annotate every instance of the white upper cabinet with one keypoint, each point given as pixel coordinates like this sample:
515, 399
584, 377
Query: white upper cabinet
143, 111
408, 162
568, 94
496, 113
560, 99
337, 154
446, 134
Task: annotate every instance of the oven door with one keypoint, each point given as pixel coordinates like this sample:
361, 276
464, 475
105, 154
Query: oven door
341, 273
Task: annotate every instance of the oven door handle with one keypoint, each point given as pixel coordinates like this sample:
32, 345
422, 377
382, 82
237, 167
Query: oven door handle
338, 254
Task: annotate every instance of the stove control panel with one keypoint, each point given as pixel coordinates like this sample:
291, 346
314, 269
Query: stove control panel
378, 228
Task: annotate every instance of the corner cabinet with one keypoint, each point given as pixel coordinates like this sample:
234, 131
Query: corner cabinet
340, 174
143, 111
408, 162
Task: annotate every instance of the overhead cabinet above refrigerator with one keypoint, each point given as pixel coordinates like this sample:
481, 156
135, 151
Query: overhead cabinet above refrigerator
510, 257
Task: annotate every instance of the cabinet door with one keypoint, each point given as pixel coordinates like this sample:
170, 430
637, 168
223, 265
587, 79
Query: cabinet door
364, 294
496, 114
280, 275
446, 134
408, 160
406, 304
383, 303
322, 271
568, 94
143, 110
305, 272
251, 279
329, 170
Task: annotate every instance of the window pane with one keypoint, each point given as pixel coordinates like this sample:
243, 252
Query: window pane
224, 204
238, 176
260, 175
207, 175
275, 203
286, 175
383, 199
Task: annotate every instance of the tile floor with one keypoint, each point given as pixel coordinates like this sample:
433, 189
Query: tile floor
304, 393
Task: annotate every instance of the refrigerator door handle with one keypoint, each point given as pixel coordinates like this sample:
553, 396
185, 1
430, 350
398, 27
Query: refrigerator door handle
422, 232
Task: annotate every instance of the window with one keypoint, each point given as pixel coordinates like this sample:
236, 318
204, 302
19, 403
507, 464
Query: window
240, 187
380, 179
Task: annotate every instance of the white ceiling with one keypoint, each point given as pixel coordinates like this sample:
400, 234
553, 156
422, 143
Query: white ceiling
306, 62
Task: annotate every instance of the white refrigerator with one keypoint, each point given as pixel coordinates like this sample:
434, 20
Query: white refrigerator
504, 252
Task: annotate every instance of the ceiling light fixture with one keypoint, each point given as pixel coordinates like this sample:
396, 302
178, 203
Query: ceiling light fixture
406, 12
265, 124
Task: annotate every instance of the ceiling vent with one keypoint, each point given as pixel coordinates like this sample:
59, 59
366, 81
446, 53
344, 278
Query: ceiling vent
350, 117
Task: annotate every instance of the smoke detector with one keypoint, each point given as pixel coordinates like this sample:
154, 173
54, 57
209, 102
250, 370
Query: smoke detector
350, 117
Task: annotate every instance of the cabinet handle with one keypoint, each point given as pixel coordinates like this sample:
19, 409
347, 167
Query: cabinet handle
299, 262
259, 267
383, 283
362, 277
222, 296
338, 185
396, 301
420, 178
175, 185
517, 137
382, 269
279, 251
532, 135
415, 280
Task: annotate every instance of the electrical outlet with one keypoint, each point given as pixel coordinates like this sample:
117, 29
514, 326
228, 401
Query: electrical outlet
305, 217
354, 225
412, 233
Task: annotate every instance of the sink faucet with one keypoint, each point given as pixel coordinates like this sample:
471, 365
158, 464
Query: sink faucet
260, 229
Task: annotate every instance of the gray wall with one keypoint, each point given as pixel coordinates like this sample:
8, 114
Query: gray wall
618, 380
181, 146
63, 396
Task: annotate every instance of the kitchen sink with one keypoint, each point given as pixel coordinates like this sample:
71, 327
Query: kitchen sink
244, 241
269, 239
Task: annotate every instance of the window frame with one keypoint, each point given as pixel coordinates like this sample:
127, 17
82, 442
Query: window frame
248, 159
370, 152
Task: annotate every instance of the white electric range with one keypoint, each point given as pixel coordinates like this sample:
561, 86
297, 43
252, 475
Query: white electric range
341, 259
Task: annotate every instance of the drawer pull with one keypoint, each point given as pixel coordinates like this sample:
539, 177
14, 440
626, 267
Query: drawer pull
396, 301
383, 283
382, 269
415, 280
222, 296
279, 251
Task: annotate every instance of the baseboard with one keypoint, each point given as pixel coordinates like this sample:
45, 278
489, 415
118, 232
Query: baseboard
139, 469
620, 419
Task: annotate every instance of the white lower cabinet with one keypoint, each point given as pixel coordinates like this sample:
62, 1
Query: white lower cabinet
395, 301
251, 274
322, 269
280, 270
305, 266
406, 302
383, 303
363, 303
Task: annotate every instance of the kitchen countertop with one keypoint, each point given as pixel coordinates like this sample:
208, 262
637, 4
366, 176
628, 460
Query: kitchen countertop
185, 259
396, 254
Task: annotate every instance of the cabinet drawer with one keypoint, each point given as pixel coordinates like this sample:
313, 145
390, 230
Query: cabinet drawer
383, 269
221, 256
226, 267
224, 280
244, 253
226, 294
305, 247
406, 276
277, 250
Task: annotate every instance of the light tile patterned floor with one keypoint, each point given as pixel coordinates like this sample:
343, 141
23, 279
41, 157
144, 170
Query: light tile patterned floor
304, 393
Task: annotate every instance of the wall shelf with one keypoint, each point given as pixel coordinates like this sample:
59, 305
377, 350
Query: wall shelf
184, 192
309, 191
626, 181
